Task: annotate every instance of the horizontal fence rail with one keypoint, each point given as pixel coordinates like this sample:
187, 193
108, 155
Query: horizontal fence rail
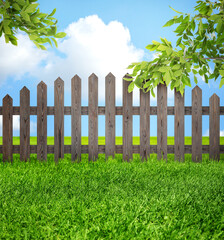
7, 110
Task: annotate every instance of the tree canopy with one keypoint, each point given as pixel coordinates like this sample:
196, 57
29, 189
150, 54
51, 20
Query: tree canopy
200, 41
24, 15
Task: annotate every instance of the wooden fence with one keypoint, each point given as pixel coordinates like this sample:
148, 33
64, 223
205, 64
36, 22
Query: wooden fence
110, 111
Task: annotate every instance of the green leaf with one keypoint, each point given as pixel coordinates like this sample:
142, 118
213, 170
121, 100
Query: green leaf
164, 69
147, 84
48, 22
60, 35
131, 87
169, 23
155, 42
42, 47
16, 6
162, 47
55, 42
144, 64
25, 16
31, 7
52, 13
178, 73
221, 82
178, 41
219, 26
176, 67
167, 77
176, 10
195, 80
194, 71
33, 37
21, 2
221, 72
6, 28
130, 66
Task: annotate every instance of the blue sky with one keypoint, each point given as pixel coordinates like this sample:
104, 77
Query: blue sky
102, 37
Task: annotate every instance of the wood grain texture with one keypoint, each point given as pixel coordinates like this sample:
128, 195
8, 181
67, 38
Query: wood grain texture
42, 121
196, 124
161, 121
144, 125
179, 126
214, 127
76, 118
7, 108
118, 110
93, 117
110, 115
127, 122
24, 124
58, 119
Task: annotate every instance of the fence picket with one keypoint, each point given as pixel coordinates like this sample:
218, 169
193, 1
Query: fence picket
214, 127
24, 124
58, 119
93, 117
144, 125
127, 122
7, 111
179, 126
110, 115
196, 124
214, 110
76, 118
161, 121
42, 121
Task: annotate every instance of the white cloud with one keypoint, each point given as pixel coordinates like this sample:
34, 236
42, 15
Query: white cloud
222, 133
207, 133
16, 125
90, 46
15, 61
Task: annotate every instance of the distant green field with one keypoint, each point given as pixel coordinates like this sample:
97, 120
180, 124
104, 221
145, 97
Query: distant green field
101, 140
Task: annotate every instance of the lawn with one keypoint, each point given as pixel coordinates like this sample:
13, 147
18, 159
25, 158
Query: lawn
101, 140
111, 200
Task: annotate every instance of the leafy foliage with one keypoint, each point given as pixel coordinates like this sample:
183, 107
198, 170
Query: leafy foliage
200, 40
25, 15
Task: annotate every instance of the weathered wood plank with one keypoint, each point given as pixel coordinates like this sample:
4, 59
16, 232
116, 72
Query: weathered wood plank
24, 124
42, 121
7, 109
76, 118
161, 121
119, 110
58, 119
214, 127
127, 122
110, 115
179, 126
93, 117
144, 125
196, 124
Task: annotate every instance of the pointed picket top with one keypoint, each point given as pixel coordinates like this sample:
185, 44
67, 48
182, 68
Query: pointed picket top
93, 76
24, 90
110, 75
42, 84
214, 97
196, 89
7, 98
76, 78
58, 81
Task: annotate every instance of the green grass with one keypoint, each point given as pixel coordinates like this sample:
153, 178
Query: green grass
101, 140
111, 200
